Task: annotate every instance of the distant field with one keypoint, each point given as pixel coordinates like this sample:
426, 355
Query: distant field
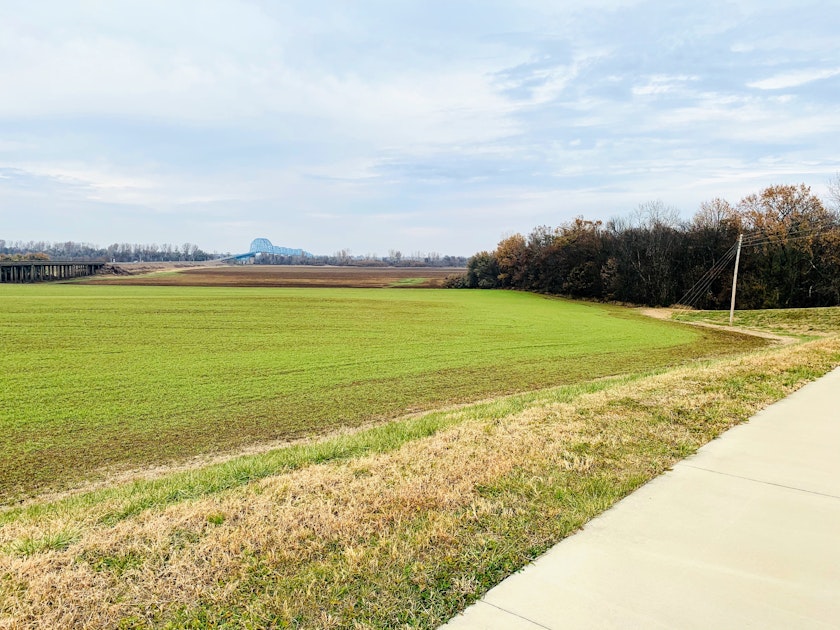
284, 276
94, 376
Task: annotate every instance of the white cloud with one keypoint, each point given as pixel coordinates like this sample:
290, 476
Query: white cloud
794, 79
664, 84
339, 123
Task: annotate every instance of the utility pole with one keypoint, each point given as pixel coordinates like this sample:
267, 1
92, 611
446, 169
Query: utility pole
735, 279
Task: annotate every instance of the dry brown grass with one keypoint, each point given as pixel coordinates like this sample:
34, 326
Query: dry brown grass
404, 538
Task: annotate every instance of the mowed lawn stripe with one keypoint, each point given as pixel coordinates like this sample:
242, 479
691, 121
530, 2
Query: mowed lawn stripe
100, 376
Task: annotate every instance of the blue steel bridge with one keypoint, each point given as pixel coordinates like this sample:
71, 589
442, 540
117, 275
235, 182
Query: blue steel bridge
264, 246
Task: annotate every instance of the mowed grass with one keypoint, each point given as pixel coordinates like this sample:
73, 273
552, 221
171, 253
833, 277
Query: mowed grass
95, 377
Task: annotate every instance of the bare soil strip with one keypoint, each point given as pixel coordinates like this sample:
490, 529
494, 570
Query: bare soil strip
166, 274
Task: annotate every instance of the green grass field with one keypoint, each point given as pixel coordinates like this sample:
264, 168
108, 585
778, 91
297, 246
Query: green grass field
400, 524
95, 377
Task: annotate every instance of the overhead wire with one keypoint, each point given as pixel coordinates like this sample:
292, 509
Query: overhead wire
769, 240
795, 234
693, 295
699, 288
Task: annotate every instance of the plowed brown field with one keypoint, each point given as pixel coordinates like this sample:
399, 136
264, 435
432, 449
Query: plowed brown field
286, 276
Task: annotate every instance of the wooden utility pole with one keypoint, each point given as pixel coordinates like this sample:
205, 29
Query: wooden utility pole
735, 279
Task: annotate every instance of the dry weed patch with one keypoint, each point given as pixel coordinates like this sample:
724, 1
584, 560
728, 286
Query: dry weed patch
405, 536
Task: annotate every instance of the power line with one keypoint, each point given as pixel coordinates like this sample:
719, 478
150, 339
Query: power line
700, 287
776, 241
795, 234
696, 293
735, 278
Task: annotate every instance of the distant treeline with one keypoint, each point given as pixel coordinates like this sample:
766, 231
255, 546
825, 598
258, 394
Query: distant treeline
127, 252
118, 252
344, 259
790, 257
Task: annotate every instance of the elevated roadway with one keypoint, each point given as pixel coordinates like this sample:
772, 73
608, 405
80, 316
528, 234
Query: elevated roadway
26, 271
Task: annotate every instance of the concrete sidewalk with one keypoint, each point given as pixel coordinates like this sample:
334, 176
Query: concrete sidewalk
744, 534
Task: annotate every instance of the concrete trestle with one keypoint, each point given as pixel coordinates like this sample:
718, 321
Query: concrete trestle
43, 271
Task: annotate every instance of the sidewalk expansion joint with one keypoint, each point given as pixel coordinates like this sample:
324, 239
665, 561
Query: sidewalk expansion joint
767, 483
504, 610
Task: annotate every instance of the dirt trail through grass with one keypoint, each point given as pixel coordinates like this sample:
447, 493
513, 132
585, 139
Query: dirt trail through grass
668, 314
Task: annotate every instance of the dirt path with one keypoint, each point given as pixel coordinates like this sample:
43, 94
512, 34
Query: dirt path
667, 313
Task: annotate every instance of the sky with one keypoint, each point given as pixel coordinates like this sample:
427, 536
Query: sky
420, 126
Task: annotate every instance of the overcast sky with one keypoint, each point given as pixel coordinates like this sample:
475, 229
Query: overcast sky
395, 124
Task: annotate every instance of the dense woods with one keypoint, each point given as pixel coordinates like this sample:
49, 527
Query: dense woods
790, 255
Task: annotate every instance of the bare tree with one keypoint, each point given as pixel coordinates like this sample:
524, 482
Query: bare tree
652, 214
834, 192
715, 215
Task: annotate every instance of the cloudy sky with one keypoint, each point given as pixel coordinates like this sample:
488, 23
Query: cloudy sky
398, 124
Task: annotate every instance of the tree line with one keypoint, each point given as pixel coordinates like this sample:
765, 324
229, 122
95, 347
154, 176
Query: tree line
117, 252
790, 255
343, 258
127, 252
